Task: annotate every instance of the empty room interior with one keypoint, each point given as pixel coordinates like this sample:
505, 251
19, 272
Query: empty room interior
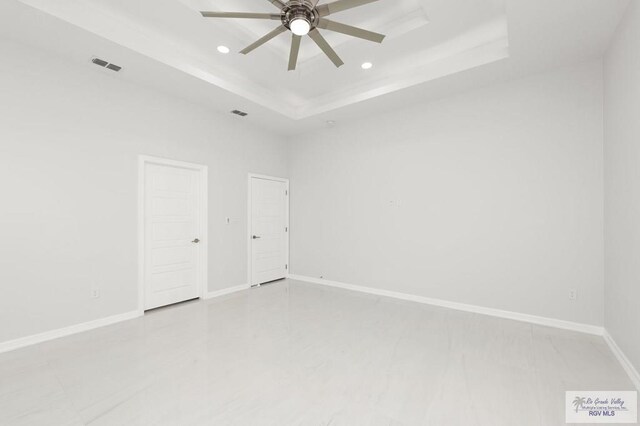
333, 212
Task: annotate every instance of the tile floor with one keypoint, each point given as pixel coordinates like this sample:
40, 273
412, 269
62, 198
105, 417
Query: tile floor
292, 353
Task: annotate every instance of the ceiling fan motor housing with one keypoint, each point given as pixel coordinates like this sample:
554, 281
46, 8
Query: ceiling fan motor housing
302, 18
300, 9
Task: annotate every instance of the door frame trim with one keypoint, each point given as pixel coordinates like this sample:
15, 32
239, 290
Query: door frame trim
249, 213
203, 220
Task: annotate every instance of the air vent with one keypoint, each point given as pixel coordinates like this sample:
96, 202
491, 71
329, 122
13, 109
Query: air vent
240, 113
104, 64
100, 62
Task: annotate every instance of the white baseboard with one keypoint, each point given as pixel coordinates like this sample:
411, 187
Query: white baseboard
11, 345
549, 322
225, 291
66, 331
622, 358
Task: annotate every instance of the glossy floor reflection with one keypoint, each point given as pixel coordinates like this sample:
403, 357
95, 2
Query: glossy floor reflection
292, 353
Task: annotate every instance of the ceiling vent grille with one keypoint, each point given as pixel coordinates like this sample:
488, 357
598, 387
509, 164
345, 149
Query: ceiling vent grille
104, 64
240, 113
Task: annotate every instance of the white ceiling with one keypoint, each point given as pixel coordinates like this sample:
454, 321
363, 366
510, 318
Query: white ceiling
433, 48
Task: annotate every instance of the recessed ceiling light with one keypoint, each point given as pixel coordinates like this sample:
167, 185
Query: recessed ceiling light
223, 49
366, 65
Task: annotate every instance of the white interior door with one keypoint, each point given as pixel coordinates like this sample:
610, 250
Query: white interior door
269, 229
172, 235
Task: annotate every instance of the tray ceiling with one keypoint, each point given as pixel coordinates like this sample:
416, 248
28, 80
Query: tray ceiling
433, 48
416, 50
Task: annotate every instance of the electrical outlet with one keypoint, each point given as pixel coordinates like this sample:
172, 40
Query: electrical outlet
573, 294
95, 293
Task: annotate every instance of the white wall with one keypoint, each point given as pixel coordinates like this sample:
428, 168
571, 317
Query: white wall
622, 185
492, 198
69, 140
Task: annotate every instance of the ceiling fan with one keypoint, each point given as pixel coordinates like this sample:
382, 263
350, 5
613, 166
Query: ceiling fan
305, 17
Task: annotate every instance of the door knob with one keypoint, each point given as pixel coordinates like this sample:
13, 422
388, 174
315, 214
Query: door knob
196, 241
255, 237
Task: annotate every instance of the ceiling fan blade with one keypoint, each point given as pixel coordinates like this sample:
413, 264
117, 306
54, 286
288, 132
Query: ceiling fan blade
328, 50
295, 49
314, 2
273, 16
340, 5
349, 30
264, 39
277, 3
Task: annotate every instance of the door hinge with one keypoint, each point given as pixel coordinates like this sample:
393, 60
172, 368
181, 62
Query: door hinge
286, 192
286, 266
286, 229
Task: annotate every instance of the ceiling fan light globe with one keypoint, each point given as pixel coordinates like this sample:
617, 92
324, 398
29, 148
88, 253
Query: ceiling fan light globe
300, 27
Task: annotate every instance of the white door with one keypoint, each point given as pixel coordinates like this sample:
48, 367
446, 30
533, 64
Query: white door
172, 235
269, 229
